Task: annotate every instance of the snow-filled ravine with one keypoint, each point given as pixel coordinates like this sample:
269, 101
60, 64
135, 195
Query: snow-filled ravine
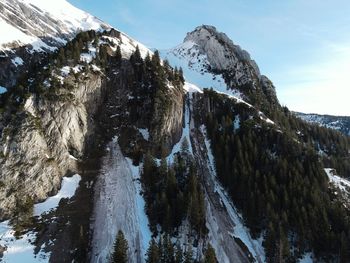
238, 231
22, 250
119, 205
187, 124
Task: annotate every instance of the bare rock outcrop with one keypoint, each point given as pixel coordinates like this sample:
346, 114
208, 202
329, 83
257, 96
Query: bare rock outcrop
44, 142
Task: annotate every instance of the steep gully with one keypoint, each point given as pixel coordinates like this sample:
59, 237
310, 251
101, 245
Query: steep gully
117, 204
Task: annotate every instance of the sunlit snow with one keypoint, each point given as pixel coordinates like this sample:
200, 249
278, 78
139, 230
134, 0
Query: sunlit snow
17, 61
2, 90
339, 182
68, 188
22, 250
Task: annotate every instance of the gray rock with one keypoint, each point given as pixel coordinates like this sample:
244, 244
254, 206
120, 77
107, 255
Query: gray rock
36, 152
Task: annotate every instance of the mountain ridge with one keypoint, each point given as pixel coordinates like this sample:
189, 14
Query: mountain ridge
340, 123
228, 169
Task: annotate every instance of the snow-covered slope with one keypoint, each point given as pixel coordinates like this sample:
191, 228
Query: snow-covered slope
42, 24
119, 206
195, 68
22, 249
341, 185
340, 123
30, 28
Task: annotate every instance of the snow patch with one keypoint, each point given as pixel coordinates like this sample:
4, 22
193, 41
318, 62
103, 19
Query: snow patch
236, 123
307, 258
18, 250
264, 118
73, 158
86, 57
22, 249
10, 34
128, 46
2, 90
66, 70
194, 71
146, 234
339, 182
96, 68
17, 61
145, 133
68, 187
191, 88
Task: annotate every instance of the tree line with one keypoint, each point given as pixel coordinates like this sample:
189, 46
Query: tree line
163, 251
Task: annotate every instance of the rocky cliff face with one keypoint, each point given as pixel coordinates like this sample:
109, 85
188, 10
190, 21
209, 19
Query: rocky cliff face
208, 51
44, 141
50, 131
222, 54
164, 136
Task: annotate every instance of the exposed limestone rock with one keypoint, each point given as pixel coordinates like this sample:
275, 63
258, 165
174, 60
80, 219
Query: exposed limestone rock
214, 52
223, 55
168, 130
43, 144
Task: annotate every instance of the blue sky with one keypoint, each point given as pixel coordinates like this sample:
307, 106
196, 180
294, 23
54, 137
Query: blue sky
303, 46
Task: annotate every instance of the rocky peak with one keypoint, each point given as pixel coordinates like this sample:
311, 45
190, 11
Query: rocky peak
222, 53
208, 51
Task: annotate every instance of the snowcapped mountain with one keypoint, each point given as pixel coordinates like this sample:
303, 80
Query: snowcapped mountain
29, 28
99, 135
340, 123
211, 60
43, 25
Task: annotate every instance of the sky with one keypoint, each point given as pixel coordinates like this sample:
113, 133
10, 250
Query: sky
303, 46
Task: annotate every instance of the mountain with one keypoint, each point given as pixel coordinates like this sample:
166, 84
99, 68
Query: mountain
340, 123
191, 156
41, 24
210, 59
29, 28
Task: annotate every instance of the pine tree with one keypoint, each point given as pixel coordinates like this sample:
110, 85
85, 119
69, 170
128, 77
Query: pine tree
103, 55
344, 249
153, 255
210, 256
184, 146
270, 244
188, 256
182, 79
120, 254
178, 254
118, 55
61, 58
168, 250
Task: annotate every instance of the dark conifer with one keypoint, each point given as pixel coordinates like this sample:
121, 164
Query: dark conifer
120, 254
